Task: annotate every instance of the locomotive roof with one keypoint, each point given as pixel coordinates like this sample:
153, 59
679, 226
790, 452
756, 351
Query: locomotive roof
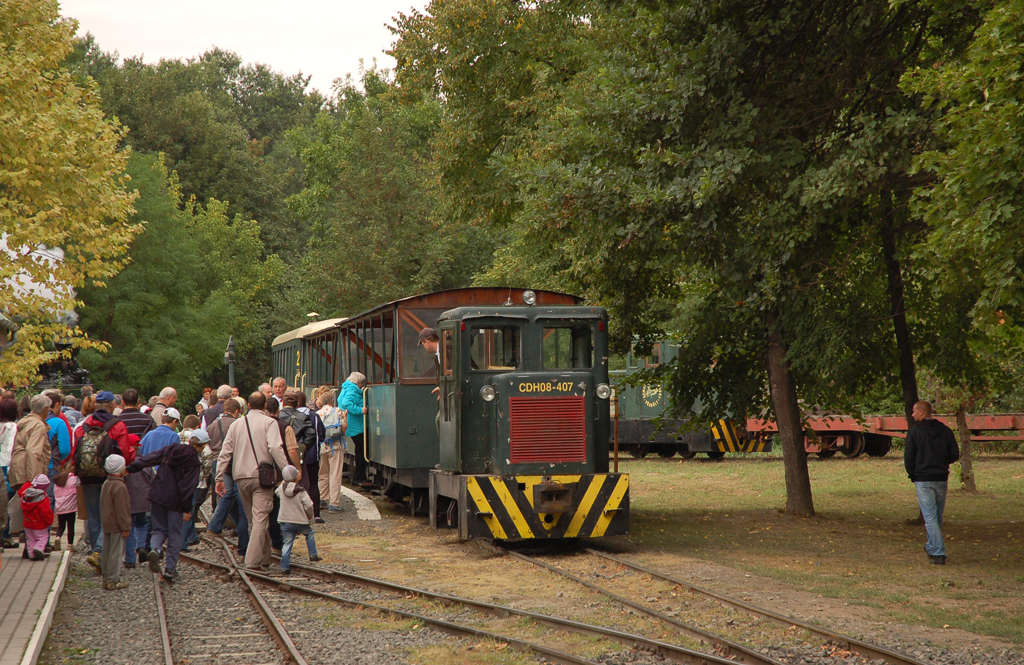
527, 313
479, 295
307, 330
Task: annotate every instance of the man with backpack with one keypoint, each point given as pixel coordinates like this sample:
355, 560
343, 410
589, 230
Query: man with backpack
101, 435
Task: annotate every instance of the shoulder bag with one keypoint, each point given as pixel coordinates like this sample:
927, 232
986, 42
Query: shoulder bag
266, 471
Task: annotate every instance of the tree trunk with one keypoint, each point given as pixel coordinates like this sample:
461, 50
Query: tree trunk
787, 412
898, 311
966, 466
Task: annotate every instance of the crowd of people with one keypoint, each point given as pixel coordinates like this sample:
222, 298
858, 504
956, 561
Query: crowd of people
137, 474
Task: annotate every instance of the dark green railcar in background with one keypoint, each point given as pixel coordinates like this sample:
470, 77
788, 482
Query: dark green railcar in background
642, 430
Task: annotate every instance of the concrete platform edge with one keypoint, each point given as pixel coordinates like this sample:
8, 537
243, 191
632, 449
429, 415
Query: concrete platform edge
42, 629
366, 509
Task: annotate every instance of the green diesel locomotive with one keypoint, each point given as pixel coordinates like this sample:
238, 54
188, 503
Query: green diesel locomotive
513, 443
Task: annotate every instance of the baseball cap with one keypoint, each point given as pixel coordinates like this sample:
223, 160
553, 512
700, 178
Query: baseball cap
172, 412
199, 435
104, 396
427, 333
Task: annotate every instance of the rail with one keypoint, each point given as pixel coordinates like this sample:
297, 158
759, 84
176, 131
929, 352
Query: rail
674, 652
866, 649
552, 655
161, 611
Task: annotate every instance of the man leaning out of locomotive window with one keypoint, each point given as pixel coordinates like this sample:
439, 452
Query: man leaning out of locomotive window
432, 343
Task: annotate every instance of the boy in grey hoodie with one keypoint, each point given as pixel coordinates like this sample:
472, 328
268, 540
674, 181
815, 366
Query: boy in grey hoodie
294, 517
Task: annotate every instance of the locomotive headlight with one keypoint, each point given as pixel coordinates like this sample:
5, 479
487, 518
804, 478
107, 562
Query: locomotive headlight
603, 391
530, 298
488, 393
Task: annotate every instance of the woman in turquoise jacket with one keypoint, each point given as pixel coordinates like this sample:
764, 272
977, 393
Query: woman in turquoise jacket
351, 399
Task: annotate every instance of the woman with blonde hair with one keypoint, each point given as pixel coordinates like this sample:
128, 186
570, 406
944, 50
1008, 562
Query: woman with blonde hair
332, 450
351, 400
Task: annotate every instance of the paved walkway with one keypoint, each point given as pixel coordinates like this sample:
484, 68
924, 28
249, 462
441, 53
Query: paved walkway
29, 591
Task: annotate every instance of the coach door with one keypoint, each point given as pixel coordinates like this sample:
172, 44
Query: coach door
449, 405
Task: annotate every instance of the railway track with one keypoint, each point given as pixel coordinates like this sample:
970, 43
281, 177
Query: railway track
230, 635
717, 611
310, 580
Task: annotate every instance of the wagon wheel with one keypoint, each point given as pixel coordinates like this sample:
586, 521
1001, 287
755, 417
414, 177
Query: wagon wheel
877, 445
638, 450
715, 454
666, 452
854, 445
687, 454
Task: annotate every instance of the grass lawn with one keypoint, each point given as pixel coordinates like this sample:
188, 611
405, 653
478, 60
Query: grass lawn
858, 548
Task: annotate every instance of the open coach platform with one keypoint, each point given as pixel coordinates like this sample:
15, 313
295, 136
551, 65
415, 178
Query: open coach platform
504, 433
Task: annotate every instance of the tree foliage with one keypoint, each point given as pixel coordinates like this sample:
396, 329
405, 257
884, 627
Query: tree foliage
195, 276
371, 196
741, 158
974, 202
64, 209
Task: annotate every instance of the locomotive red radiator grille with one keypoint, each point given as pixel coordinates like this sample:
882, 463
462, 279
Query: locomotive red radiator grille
547, 429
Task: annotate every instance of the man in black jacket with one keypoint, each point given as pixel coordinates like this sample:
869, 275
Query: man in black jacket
171, 499
930, 449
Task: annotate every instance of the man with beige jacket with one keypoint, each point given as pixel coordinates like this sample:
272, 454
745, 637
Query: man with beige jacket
30, 454
250, 441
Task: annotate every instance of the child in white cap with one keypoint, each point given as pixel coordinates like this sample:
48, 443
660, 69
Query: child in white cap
294, 517
116, 515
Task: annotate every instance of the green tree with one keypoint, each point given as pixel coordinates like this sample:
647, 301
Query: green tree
371, 196
220, 125
194, 278
974, 200
745, 158
64, 210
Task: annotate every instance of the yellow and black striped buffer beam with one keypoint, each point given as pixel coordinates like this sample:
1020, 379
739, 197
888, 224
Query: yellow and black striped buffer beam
730, 439
502, 507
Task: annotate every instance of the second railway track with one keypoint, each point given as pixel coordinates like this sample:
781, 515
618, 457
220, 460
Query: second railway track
730, 625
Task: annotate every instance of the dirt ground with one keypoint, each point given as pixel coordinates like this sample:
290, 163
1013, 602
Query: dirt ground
856, 568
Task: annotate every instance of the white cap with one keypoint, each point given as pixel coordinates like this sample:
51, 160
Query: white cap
172, 412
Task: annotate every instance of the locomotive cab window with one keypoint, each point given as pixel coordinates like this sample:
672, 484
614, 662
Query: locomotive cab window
654, 359
568, 347
494, 349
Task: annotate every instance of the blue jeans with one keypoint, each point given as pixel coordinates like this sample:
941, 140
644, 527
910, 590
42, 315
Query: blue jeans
231, 504
198, 499
93, 526
289, 531
6, 533
931, 495
136, 537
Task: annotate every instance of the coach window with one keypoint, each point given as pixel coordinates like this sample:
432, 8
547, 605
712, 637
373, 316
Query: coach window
568, 347
417, 365
494, 348
446, 354
654, 359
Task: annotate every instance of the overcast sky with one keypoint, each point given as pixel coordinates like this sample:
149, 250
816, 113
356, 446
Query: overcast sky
324, 38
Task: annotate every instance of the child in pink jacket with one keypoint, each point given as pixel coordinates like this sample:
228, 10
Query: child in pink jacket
66, 499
